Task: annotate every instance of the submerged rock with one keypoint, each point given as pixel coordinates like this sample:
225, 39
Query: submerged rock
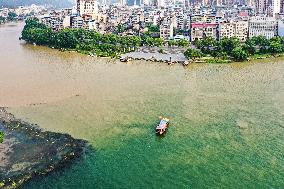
27, 151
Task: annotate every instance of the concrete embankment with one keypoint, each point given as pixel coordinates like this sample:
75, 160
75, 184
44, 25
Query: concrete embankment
157, 57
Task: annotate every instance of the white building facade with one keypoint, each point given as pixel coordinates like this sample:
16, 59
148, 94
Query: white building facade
275, 7
88, 7
262, 26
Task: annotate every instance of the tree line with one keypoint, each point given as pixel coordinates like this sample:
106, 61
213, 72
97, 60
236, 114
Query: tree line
86, 41
112, 45
233, 49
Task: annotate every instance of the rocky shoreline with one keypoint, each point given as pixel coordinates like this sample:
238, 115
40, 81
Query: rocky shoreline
27, 151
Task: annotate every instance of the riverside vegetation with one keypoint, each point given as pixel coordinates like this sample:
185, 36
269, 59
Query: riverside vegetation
112, 45
1, 136
11, 17
231, 49
89, 42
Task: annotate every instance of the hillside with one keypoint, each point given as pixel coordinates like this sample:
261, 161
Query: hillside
54, 3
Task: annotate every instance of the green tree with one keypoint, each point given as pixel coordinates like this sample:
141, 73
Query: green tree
250, 46
239, 54
182, 43
275, 45
220, 54
193, 53
2, 19
229, 44
153, 28
40, 36
31, 24
12, 16
65, 39
1, 136
150, 41
172, 43
206, 44
262, 43
81, 35
109, 38
158, 42
120, 28
216, 50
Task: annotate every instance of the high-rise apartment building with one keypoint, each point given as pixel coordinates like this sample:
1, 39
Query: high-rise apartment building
88, 7
161, 3
167, 29
261, 6
275, 7
281, 6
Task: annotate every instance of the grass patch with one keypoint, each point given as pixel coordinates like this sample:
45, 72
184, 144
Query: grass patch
264, 56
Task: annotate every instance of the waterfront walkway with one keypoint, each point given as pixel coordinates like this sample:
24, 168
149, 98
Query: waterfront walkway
155, 56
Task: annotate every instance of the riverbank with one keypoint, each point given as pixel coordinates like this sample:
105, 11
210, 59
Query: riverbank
168, 55
172, 55
27, 152
173, 58
206, 50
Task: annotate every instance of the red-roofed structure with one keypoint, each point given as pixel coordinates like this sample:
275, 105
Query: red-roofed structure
243, 14
203, 25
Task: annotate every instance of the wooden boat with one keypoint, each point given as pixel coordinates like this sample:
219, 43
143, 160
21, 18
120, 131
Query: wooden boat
162, 127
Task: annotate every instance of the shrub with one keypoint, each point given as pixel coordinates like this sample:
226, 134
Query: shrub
1, 136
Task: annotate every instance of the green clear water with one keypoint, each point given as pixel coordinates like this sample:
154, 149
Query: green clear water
226, 130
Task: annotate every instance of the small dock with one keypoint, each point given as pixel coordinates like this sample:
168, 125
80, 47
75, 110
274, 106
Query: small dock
155, 57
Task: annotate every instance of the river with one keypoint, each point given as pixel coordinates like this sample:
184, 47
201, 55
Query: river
226, 121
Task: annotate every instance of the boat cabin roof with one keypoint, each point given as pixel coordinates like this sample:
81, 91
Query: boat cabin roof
163, 124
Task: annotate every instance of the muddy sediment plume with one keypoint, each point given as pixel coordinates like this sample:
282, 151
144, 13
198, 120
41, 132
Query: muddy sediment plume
27, 151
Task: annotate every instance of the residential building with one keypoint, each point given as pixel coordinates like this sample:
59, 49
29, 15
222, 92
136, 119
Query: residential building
262, 26
226, 29
235, 28
167, 29
180, 19
89, 7
261, 6
54, 22
281, 6
77, 22
203, 26
275, 7
201, 30
201, 18
67, 22
241, 28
